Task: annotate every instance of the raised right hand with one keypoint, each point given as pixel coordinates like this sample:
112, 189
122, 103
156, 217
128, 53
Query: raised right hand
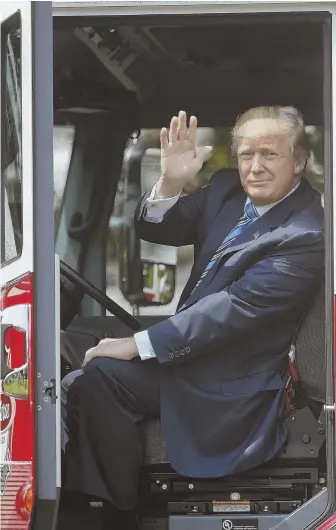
180, 159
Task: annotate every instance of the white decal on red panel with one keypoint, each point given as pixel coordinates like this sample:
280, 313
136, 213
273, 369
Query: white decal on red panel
7, 415
17, 317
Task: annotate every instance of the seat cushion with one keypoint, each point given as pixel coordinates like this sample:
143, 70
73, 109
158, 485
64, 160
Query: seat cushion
154, 448
310, 349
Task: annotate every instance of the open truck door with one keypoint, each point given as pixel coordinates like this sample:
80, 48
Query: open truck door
30, 473
227, 57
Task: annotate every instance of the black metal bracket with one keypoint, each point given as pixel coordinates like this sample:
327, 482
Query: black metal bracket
50, 390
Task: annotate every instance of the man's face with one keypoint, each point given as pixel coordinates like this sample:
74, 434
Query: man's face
267, 166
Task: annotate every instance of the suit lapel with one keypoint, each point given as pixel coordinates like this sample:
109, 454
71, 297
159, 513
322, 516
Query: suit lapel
226, 219
264, 224
271, 220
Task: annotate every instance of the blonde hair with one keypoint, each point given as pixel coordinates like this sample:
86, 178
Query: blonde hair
288, 116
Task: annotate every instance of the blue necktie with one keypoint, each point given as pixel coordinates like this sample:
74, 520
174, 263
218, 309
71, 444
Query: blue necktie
250, 214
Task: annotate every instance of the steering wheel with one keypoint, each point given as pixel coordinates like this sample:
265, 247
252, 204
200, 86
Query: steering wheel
100, 297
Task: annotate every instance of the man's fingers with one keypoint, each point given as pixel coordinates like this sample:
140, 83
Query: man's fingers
87, 358
182, 125
192, 129
173, 130
203, 154
164, 138
89, 355
206, 152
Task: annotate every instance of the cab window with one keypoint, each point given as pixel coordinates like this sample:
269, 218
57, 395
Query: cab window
11, 152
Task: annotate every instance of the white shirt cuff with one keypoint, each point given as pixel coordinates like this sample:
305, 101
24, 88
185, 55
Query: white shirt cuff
156, 208
144, 345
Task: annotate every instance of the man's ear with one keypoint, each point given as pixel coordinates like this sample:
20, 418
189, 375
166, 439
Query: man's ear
299, 167
300, 163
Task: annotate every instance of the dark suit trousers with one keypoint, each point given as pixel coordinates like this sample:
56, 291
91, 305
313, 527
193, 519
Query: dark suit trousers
103, 406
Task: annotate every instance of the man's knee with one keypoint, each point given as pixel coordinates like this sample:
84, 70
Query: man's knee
80, 382
78, 379
104, 364
106, 376
68, 380
108, 369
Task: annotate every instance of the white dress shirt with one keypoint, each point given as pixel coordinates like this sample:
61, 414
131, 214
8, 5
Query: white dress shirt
155, 210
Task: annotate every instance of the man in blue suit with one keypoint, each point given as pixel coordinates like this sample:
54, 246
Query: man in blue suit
214, 372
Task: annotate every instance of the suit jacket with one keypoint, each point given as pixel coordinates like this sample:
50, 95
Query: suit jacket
224, 352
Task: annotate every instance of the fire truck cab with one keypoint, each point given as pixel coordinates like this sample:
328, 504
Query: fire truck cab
85, 88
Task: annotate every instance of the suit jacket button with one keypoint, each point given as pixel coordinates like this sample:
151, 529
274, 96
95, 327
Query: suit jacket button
182, 352
176, 353
187, 349
171, 355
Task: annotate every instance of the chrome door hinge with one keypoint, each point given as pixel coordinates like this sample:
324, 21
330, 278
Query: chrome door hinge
329, 408
50, 390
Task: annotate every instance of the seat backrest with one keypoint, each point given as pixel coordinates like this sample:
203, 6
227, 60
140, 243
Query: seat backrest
310, 349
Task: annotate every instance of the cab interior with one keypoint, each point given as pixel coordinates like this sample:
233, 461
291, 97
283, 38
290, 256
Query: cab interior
116, 83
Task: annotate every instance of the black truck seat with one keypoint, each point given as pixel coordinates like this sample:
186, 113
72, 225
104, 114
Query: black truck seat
310, 350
